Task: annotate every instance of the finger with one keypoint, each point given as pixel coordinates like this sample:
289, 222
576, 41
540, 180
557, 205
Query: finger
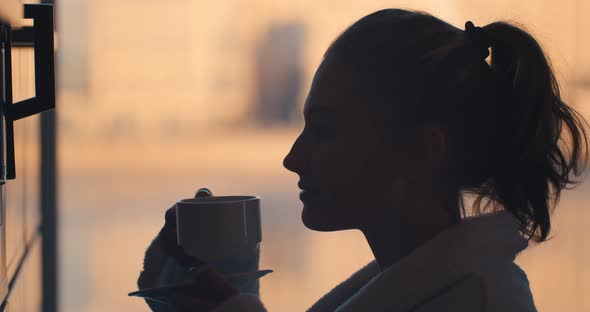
170, 216
169, 238
185, 303
168, 232
208, 283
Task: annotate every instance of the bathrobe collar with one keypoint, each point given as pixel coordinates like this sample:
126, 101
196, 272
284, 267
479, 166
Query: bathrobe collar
447, 257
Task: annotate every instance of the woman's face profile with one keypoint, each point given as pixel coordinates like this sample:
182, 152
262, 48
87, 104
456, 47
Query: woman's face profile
344, 160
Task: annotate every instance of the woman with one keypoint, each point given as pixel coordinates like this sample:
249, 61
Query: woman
404, 119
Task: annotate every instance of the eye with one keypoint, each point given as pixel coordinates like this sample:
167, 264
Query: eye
322, 130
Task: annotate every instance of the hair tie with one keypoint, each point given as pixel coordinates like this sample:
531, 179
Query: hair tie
479, 39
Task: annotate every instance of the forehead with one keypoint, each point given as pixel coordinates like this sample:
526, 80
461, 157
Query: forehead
332, 90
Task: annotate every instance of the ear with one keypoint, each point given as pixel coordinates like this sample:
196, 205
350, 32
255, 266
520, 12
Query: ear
432, 146
436, 138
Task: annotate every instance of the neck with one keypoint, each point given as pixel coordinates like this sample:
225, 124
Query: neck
394, 237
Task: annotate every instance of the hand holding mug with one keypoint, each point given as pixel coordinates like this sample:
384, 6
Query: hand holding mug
207, 251
167, 263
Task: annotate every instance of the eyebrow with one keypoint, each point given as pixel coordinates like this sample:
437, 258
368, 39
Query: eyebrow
319, 110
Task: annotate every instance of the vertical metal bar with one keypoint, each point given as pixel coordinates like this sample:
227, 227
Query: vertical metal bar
10, 163
49, 215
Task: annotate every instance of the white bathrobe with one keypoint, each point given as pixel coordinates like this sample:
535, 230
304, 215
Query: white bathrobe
468, 267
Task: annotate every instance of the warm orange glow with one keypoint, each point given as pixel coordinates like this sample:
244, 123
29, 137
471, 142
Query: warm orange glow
155, 101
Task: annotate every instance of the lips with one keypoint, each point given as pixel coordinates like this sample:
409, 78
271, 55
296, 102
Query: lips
303, 187
306, 192
304, 195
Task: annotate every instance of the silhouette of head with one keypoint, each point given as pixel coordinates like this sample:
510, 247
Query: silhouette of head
404, 108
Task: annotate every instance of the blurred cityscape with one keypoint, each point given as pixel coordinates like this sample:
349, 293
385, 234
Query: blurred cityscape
159, 98
166, 69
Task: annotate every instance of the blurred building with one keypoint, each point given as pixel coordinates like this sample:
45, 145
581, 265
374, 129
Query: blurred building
169, 68
278, 74
172, 69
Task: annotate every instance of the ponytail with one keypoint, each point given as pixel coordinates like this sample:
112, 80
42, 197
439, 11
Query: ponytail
545, 139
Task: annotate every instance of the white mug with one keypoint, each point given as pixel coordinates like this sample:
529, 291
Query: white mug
217, 227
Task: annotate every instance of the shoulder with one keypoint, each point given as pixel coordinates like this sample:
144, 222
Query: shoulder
507, 287
498, 287
464, 294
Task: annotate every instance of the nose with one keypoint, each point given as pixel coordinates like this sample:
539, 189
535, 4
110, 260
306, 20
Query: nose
292, 161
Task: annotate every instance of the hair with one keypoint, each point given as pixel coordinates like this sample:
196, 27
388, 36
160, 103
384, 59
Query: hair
514, 143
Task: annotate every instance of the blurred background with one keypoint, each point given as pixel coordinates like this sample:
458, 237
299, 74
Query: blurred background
159, 98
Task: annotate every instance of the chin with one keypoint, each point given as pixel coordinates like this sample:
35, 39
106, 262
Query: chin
321, 222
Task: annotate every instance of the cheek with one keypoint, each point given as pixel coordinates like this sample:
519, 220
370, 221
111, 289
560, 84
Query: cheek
334, 165
355, 167
367, 162
351, 180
